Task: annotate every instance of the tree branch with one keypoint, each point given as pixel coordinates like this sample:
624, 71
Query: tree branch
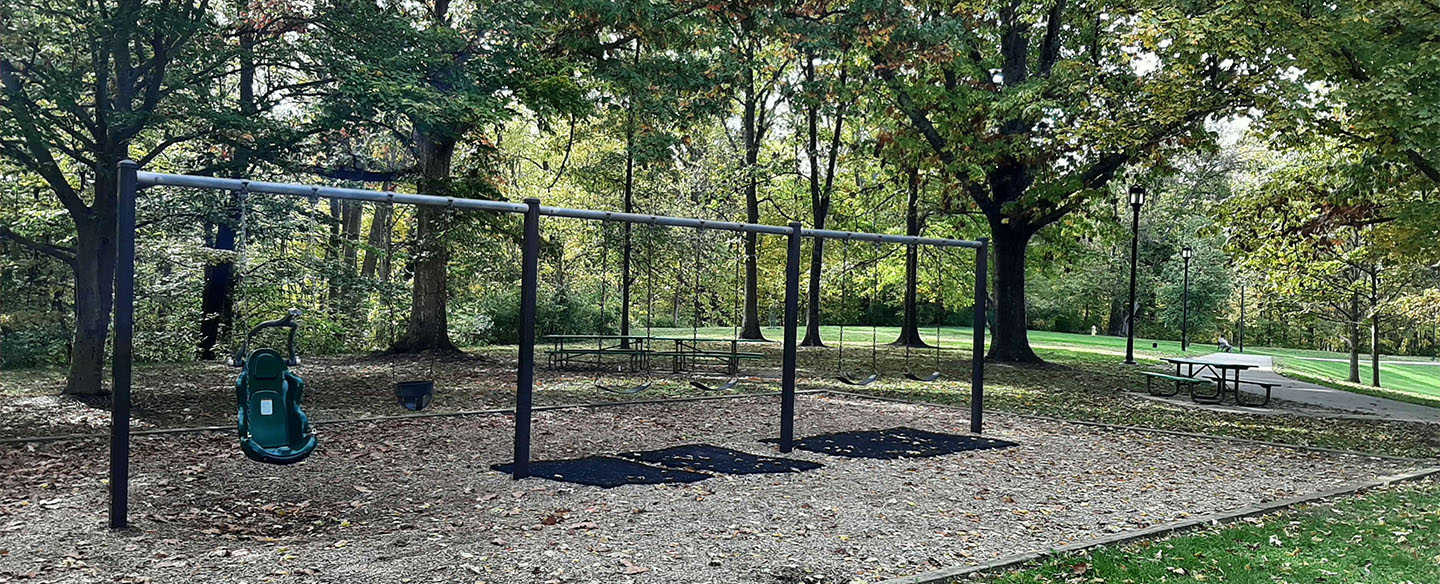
63, 254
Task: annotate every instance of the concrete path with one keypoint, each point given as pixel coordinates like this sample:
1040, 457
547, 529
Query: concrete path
1315, 395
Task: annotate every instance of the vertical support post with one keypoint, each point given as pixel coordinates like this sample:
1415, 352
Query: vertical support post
525, 370
1242, 317
123, 346
1185, 307
792, 323
977, 360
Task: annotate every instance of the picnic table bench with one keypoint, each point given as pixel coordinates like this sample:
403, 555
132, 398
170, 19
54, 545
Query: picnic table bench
1213, 371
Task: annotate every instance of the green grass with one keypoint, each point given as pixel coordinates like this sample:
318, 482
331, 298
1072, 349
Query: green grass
1317, 354
1383, 537
1417, 385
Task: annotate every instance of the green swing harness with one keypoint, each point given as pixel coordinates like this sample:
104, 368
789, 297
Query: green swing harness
272, 428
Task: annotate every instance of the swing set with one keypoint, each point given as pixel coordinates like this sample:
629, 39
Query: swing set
266, 375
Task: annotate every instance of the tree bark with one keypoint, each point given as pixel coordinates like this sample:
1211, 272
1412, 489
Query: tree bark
1115, 326
377, 240
94, 269
1375, 328
217, 306
820, 197
1010, 339
750, 329
1353, 328
217, 300
910, 327
428, 326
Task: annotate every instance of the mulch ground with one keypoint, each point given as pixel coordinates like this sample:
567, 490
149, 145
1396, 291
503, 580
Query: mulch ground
416, 501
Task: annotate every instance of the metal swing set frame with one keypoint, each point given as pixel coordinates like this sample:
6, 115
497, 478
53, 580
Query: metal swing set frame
132, 181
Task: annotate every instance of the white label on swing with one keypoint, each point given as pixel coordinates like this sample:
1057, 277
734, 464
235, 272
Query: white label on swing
267, 407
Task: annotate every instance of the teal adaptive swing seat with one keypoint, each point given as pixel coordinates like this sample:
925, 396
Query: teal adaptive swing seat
272, 428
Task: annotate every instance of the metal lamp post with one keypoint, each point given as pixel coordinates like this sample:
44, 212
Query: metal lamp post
1185, 302
1241, 339
1137, 200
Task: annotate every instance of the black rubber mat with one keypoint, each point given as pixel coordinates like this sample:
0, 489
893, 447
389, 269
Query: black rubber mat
605, 472
900, 442
708, 458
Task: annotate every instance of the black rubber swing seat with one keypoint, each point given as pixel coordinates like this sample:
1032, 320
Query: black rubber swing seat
845, 379
625, 390
928, 378
722, 387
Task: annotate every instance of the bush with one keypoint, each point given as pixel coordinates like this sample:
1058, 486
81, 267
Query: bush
557, 312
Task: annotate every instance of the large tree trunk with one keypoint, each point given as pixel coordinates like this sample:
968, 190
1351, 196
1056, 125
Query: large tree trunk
1115, 326
378, 240
94, 268
820, 197
1353, 329
1010, 340
627, 279
428, 327
1375, 328
750, 329
217, 306
910, 328
217, 300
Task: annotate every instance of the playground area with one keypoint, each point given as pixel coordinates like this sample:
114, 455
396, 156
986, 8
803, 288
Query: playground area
418, 499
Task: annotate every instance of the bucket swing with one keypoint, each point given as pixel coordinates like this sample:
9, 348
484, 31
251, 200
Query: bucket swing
272, 428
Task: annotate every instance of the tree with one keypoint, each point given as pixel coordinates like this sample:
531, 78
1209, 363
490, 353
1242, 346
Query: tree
434, 74
754, 69
1376, 64
1034, 108
83, 86
825, 90
1314, 227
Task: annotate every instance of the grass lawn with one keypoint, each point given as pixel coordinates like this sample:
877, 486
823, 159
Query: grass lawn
1412, 383
1383, 537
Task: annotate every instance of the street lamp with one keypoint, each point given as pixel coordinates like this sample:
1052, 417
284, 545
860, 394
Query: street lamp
1137, 200
1185, 302
1241, 338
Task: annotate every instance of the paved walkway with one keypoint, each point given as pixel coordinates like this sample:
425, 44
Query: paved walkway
1315, 395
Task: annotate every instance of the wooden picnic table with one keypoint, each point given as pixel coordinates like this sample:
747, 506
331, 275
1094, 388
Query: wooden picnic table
1220, 372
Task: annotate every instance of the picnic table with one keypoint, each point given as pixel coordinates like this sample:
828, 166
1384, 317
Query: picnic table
639, 349
1201, 372
691, 349
631, 347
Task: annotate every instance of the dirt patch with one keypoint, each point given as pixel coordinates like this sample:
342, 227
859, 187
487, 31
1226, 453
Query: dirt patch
415, 501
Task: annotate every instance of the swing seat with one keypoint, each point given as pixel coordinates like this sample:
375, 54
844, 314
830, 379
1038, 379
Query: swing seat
722, 387
928, 378
272, 428
414, 395
625, 390
845, 379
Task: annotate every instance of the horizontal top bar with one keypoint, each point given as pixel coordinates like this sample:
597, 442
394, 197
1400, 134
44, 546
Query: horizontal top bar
149, 179
663, 220
885, 238
254, 186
